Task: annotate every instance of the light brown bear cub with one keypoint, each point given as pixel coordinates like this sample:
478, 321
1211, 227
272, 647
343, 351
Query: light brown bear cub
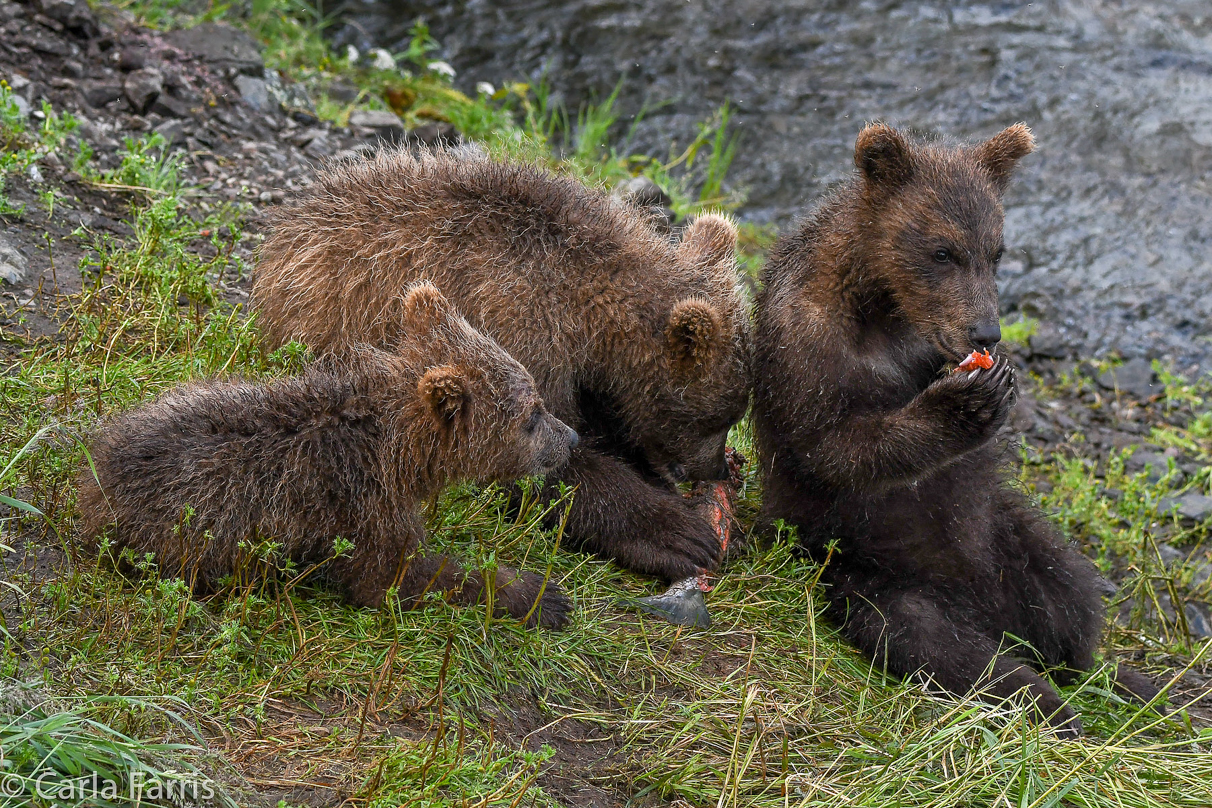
346, 450
639, 344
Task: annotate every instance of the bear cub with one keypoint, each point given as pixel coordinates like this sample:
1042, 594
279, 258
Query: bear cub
867, 436
348, 449
640, 344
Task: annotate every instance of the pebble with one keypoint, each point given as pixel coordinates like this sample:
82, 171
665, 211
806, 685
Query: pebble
141, 87
380, 120
100, 94
12, 263
253, 91
1135, 377
1191, 506
221, 45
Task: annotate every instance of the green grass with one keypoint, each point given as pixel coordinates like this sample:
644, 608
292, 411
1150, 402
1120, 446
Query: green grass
284, 683
65, 757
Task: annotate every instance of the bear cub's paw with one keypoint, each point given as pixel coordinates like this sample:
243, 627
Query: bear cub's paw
1066, 723
517, 594
686, 548
974, 404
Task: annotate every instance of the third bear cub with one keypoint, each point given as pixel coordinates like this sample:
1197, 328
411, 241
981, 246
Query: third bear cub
349, 449
866, 436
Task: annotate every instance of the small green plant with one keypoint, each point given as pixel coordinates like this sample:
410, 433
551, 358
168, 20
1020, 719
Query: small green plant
7, 208
147, 166
420, 45
1019, 331
12, 122
19, 146
719, 159
65, 757
8, 475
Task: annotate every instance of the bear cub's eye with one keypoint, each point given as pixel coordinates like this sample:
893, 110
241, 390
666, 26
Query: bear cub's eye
942, 255
535, 418
997, 256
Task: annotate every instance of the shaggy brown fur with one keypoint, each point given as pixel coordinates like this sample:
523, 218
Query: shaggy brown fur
640, 345
348, 449
866, 438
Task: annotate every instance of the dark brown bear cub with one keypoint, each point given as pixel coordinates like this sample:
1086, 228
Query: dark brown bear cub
349, 449
866, 436
640, 345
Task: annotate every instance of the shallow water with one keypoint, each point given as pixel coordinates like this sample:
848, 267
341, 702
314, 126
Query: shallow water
1109, 224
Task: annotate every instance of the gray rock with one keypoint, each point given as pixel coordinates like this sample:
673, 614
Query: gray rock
22, 105
220, 45
1192, 506
380, 120
434, 134
1156, 463
644, 192
253, 91
292, 98
319, 147
1135, 377
142, 87
1170, 555
173, 130
343, 92
1048, 342
132, 58
98, 95
1197, 621
73, 14
12, 263
356, 154
170, 107
304, 138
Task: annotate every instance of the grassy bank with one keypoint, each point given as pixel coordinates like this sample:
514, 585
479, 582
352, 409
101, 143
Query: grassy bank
302, 697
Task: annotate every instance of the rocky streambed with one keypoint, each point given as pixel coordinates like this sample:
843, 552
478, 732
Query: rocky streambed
1110, 224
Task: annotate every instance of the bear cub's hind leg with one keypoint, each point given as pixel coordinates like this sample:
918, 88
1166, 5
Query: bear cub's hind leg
377, 564
521, 595
912, 633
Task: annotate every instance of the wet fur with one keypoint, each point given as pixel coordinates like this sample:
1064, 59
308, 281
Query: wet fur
866, 438
639, 344
350, 448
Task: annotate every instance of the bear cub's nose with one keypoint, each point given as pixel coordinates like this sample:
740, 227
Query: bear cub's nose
985, 335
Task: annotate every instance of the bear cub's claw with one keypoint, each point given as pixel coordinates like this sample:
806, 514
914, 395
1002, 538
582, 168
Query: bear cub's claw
519, 595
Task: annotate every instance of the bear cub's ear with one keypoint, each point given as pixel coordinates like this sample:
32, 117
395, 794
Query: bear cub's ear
884, 157
425, 308
446, 393
693, 334
709, 241
1000, 154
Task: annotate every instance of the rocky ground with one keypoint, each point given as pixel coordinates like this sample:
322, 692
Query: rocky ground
247, 136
